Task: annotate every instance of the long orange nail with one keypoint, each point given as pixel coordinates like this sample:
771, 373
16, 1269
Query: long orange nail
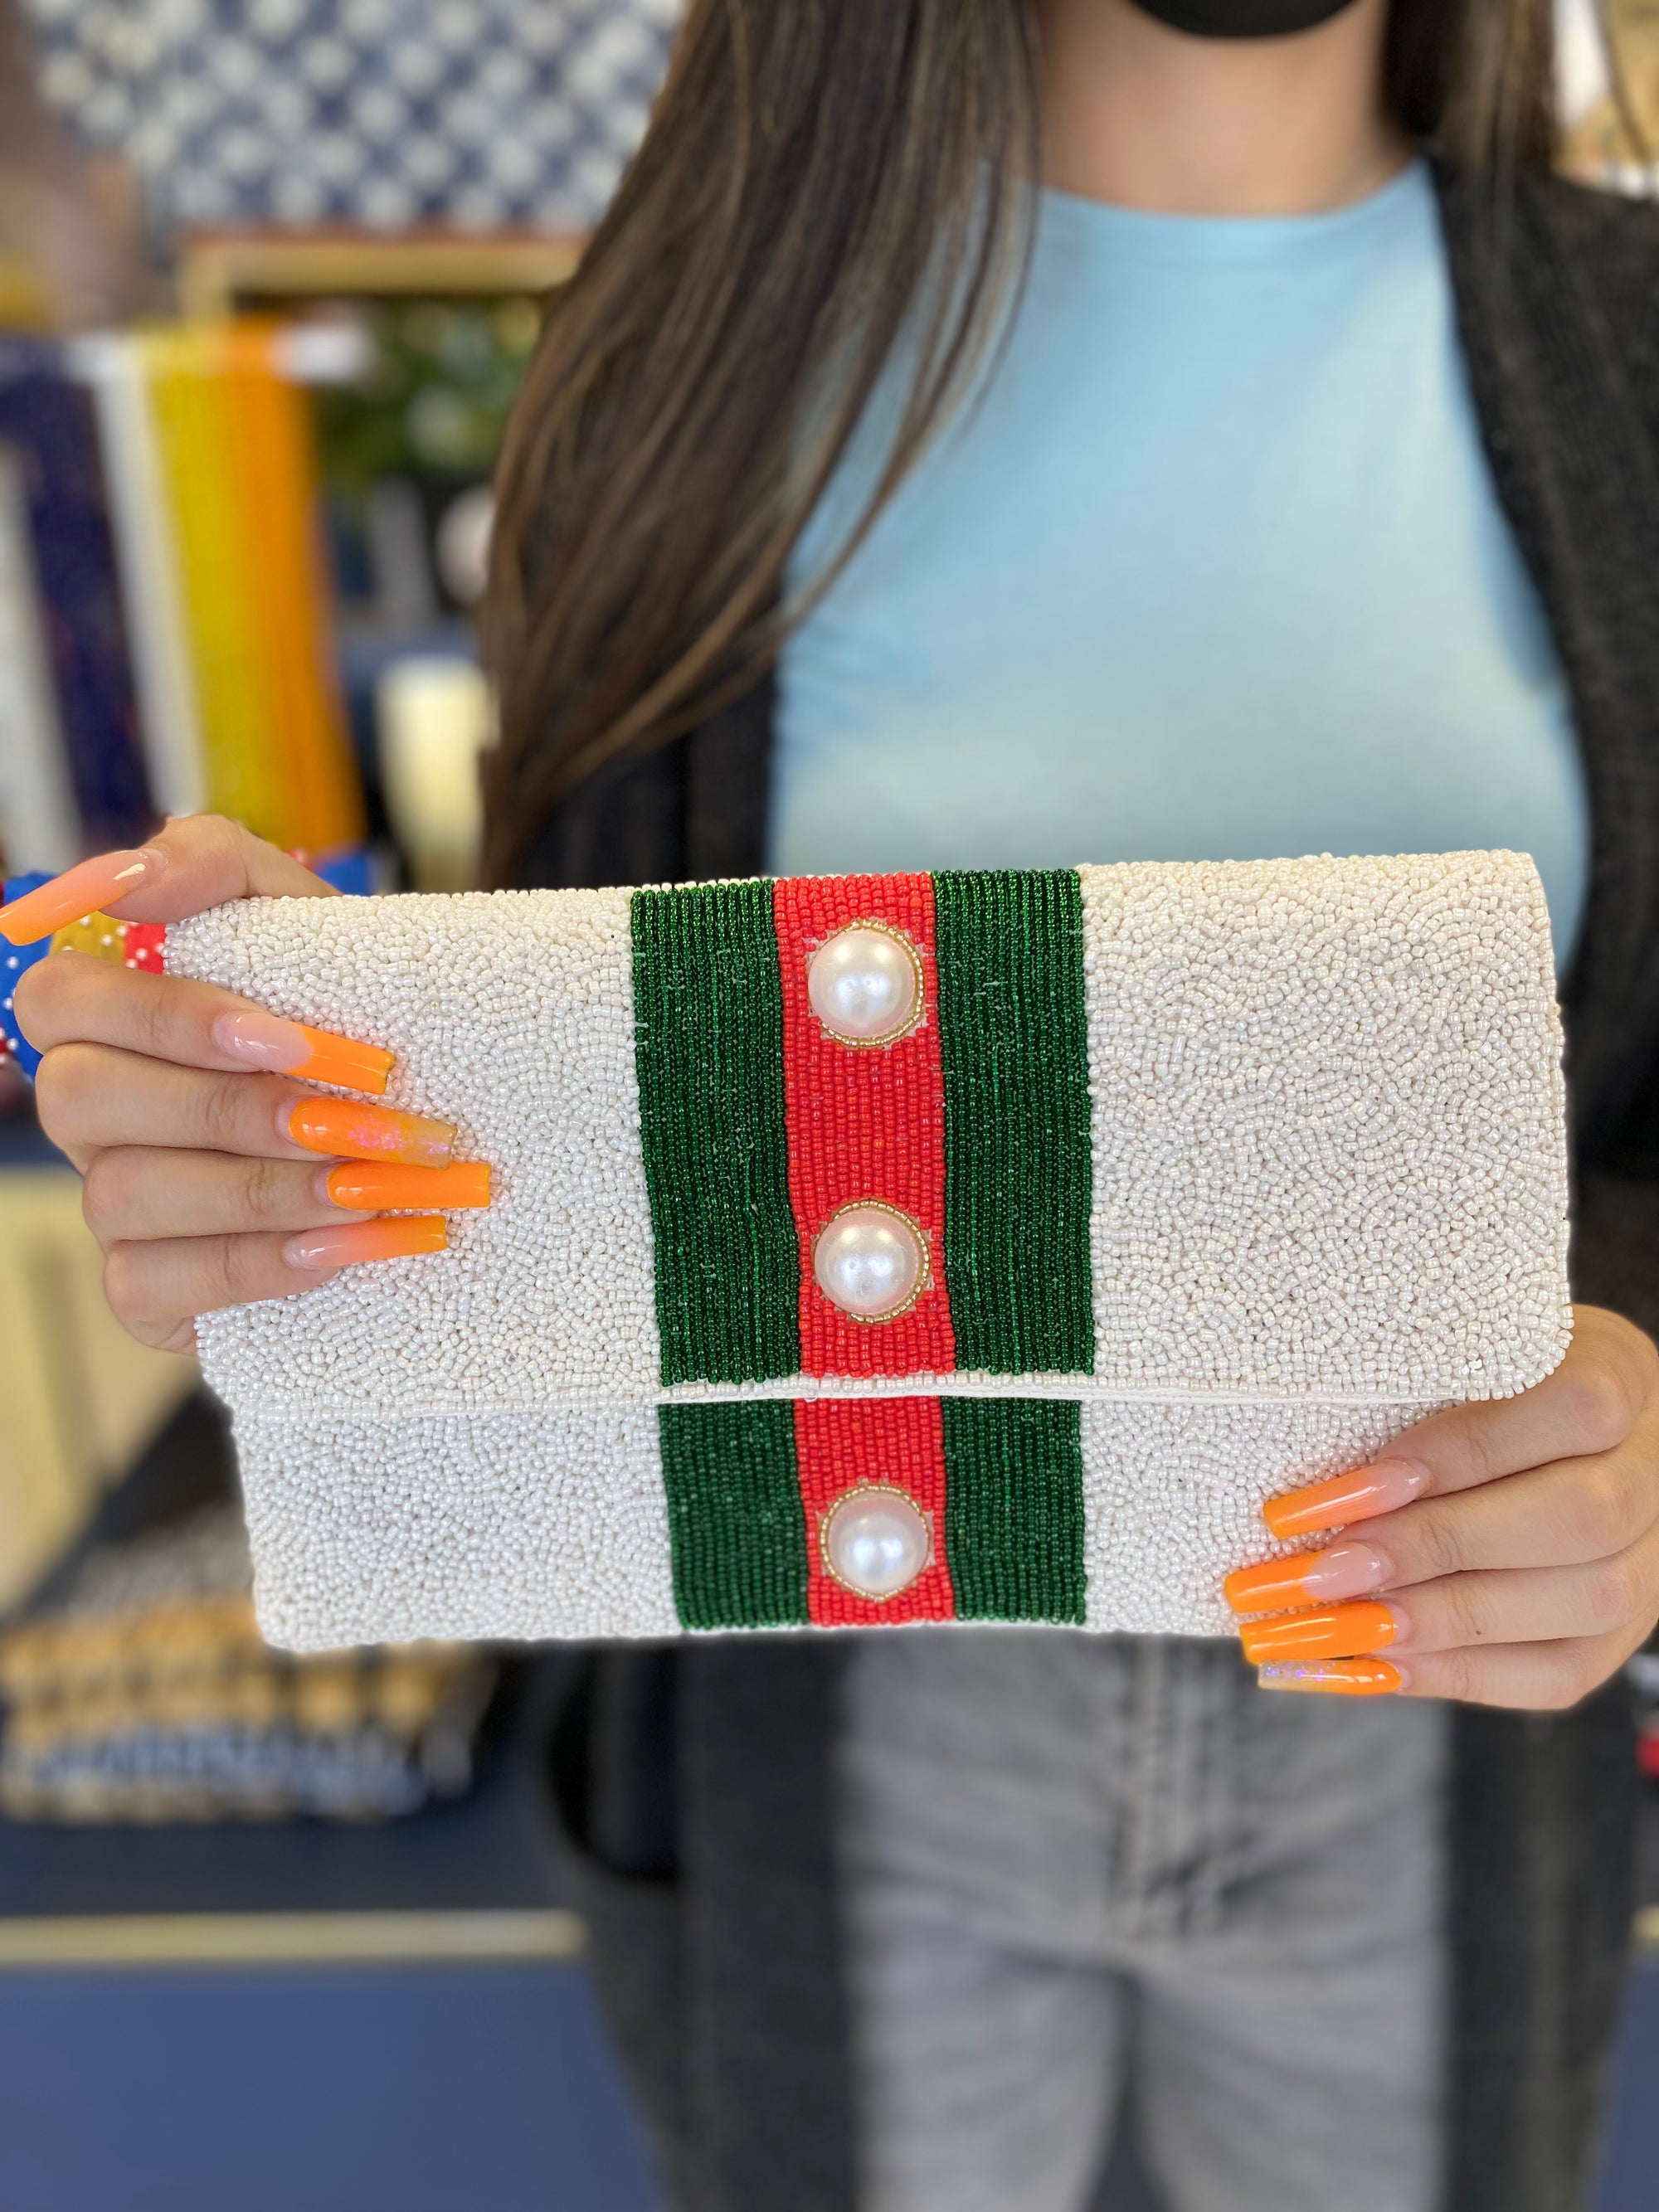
1342, 1632
1359, 1496
370, 1186
1339, 1678
79, 891
355, 1132
319, 1248
257, 1039
1313, 1578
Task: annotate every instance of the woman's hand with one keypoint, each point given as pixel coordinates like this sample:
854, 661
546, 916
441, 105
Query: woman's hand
1506, 1553
186, 1111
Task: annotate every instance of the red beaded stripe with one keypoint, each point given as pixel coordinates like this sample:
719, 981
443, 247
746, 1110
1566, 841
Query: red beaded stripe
143, 945
851, 1444
863, 1123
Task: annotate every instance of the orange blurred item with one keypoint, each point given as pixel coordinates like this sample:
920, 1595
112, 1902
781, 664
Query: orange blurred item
279, 493
241, 473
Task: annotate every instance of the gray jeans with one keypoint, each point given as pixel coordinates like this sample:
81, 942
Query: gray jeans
1087, 1874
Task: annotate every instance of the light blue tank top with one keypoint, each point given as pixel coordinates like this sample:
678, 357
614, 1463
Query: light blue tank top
1214, 569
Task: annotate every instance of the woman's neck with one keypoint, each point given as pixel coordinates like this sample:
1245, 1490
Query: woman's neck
1148, 117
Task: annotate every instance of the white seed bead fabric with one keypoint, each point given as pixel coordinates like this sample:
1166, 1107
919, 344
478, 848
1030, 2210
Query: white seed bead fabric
1329, 1127
512, 1014
1329, 1194
512, 1526
1209, 1466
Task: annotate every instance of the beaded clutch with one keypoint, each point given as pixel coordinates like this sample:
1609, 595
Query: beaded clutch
892, 1248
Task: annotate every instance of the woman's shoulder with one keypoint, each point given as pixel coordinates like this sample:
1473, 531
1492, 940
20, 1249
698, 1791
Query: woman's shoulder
1561, 257
1609, 235
1614, 236
1605, 268
1580, 236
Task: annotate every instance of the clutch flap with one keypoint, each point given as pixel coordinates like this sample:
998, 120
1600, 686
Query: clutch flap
1269, 1129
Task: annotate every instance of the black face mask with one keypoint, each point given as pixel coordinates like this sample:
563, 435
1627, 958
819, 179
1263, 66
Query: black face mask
1243, 19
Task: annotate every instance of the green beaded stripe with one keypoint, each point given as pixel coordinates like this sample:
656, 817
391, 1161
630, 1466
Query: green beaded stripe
1018, 1164
1013, 1509
708, 1045
735, 1527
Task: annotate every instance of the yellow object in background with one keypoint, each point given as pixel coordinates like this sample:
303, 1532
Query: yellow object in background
98, 935
276, 497
195, 423
241, 482
79, 1399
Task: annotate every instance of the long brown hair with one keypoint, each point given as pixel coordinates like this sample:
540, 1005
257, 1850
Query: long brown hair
819, 176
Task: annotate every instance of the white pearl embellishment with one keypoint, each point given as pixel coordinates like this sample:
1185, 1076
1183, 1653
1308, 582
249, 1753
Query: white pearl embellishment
871, 1260
864, 984
876, 1541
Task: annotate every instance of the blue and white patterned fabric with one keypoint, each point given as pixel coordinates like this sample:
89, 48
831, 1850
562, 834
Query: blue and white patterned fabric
479, 113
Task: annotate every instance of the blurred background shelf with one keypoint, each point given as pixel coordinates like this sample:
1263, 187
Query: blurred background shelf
226, 272
487, 1850
266, 1938
386, 2017
81, 1399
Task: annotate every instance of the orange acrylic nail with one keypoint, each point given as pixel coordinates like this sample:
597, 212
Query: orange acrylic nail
1360, 1495
1344, 1570
370, 1186
348, 1247
353, 1131
1342, 1632
342, 1060
1340, 1678
257, 1039
79, 891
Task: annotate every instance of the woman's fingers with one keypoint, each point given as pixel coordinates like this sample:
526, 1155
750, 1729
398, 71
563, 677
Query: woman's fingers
1530, 1677
194, 863
93, 1096
72, 999
1506, 1553
1572, 1512
1527, 1605
1587, 1407
208, 860
133, 1193
156, 1289
176, 1100
153, 1287
81, 890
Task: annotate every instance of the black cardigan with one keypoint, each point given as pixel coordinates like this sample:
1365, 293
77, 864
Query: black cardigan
694, 1781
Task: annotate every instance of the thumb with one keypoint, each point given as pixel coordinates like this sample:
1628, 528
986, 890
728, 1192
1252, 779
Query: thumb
196, 861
